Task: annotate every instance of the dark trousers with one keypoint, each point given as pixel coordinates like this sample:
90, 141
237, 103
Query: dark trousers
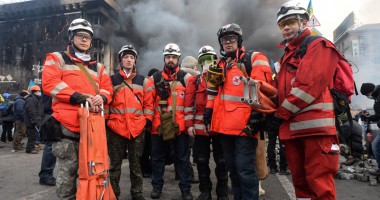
7, 131
146, 166
202, 151
47, 163
32, 137
181, 160
240, 155
272, 161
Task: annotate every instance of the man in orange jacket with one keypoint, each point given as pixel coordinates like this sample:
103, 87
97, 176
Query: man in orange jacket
169, 87
305, 116
129, 112
69, 86
195, 103
229, 116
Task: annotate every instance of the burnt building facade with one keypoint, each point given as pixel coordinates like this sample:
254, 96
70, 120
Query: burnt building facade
31, 29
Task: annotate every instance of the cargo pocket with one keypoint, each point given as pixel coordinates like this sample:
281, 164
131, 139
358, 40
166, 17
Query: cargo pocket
63, 150
330, 158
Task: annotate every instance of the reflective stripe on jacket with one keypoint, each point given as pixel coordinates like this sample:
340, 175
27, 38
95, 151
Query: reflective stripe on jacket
230, 115
195, 97
303, 84
127, 115
180, 101
61, 78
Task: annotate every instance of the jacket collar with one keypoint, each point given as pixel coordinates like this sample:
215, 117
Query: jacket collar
74, 58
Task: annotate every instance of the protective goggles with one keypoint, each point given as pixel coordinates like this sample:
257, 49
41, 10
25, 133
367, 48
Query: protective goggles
287, 22
230, 38
206, 59
83, 23
284, 10
83, 36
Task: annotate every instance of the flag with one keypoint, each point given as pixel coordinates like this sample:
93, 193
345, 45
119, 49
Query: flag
31, 83
310, 9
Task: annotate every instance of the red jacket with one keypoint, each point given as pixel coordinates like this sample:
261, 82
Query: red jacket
230, 115
127, 113
61, 79
305, 102
198, 98
180, 101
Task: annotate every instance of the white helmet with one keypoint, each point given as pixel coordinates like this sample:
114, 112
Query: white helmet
172, 49
125, 49
79, 24
291, 8
206, 50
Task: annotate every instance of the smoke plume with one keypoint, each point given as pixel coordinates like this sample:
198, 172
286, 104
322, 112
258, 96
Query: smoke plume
151, 24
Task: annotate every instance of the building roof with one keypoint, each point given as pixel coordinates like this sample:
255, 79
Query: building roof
368, 26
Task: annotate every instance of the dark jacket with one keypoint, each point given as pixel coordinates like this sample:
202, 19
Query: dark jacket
353, 135
46, 104
33, 111
376, 96
9, 116
18, 108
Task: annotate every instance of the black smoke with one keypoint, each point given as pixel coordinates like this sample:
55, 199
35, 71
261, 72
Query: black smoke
150, 24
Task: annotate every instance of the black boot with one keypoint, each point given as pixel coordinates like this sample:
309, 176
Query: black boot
204, 196
186, 195
156, 193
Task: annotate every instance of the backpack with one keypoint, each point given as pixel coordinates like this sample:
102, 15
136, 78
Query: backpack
343, 84
4, 108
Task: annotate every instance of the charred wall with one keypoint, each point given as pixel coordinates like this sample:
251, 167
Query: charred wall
30, 30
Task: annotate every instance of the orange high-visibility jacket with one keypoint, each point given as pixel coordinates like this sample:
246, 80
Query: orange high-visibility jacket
305, 102
195, 103
62, 79
127, 113
230, 115
180, 100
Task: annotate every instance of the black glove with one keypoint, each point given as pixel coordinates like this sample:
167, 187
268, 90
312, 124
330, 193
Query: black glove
274, 123
78, 98
163, 90
255, 123
207, 116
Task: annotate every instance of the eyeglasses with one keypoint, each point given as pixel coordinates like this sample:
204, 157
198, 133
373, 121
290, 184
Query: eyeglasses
231, 38
83, 36
83, 23
288, 22
284, 9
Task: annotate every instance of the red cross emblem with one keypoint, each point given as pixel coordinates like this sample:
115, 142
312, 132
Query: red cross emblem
236, 80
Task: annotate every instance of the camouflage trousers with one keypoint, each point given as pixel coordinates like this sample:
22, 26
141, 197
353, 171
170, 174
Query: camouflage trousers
66, 152
117, 146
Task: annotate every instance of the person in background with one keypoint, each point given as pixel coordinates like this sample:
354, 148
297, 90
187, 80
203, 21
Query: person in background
18, 117
189, 64
272, 155
48, 160
350, 139
145, 161
33, 118
372, 91
6, 109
